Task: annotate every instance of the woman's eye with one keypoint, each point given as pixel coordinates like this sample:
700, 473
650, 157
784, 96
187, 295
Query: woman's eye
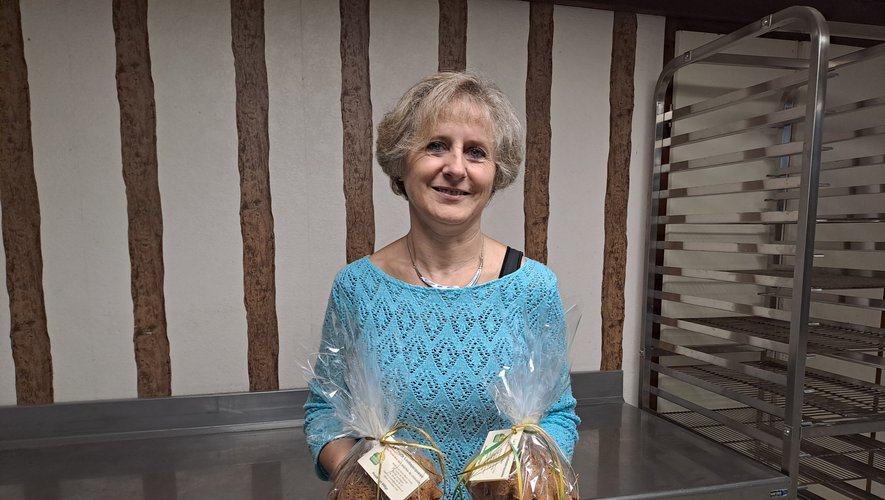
475, 153
436, 147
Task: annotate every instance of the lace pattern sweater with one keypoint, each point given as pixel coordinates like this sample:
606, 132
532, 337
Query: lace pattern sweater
454, 342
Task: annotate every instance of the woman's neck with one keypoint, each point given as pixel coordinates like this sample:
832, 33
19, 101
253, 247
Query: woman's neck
446, 258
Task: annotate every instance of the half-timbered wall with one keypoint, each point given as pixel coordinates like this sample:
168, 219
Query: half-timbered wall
209, 209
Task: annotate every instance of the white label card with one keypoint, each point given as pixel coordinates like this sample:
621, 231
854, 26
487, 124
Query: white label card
499, 470
400, 474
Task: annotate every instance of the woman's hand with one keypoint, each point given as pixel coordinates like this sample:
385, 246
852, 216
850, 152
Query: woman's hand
333, 454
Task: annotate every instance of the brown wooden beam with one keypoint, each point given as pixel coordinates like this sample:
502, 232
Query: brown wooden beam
21, 219
617, 188
256, 216
742, 12
356, 117
138, 138
452, 35
539, 78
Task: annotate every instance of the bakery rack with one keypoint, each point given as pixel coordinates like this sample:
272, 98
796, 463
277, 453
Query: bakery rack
765, 316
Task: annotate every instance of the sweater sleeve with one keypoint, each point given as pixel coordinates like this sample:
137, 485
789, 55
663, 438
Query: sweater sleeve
560, 420
321, 424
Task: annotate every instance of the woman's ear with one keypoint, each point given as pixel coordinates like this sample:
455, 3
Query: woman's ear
401, 185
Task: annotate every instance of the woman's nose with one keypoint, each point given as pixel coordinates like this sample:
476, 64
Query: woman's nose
455, 166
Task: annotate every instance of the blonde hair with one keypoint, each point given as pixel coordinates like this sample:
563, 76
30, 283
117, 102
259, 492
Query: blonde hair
403, 129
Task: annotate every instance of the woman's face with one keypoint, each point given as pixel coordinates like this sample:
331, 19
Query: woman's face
449, 180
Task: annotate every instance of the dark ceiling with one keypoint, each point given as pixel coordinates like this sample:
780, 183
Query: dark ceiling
735, 13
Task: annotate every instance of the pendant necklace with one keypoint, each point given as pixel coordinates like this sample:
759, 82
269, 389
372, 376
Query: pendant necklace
433, 284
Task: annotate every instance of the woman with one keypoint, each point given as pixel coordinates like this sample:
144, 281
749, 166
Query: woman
447, 292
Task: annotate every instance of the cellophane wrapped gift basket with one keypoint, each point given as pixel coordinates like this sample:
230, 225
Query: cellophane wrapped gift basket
524, 462
348, 376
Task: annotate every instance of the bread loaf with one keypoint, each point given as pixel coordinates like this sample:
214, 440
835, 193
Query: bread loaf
353, 483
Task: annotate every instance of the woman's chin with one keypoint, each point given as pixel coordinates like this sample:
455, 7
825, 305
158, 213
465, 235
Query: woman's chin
452, 218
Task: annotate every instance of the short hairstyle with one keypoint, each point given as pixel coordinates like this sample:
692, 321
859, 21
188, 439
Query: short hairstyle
400, 131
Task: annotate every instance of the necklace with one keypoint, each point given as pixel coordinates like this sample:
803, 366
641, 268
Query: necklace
433, 284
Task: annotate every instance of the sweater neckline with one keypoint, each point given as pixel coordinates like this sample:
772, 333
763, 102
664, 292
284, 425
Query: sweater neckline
377, 270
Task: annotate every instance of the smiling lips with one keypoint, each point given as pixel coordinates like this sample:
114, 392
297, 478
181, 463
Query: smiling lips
451, 191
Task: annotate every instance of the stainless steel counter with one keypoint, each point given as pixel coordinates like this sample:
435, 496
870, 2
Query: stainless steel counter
222, 447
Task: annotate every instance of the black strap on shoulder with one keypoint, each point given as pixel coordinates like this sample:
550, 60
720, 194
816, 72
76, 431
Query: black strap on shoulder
512, 262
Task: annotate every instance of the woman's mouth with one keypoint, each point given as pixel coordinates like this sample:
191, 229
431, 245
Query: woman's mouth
451, 191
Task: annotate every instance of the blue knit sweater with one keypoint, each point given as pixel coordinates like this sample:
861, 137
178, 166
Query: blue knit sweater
457, 340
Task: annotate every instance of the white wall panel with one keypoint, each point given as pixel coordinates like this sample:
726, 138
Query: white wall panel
7, 367
304, 75
70, 55
402, 50
497, 39
649, 62
193, 71
579, 153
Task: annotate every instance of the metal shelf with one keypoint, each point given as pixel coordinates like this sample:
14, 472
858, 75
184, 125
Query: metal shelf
821, 278
826, 460
768, 88
833, 404
842, 341
780, 249
746, 155
779, 217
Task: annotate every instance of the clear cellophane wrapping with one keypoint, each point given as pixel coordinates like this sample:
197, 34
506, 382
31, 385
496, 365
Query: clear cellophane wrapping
347, 375
523, 393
